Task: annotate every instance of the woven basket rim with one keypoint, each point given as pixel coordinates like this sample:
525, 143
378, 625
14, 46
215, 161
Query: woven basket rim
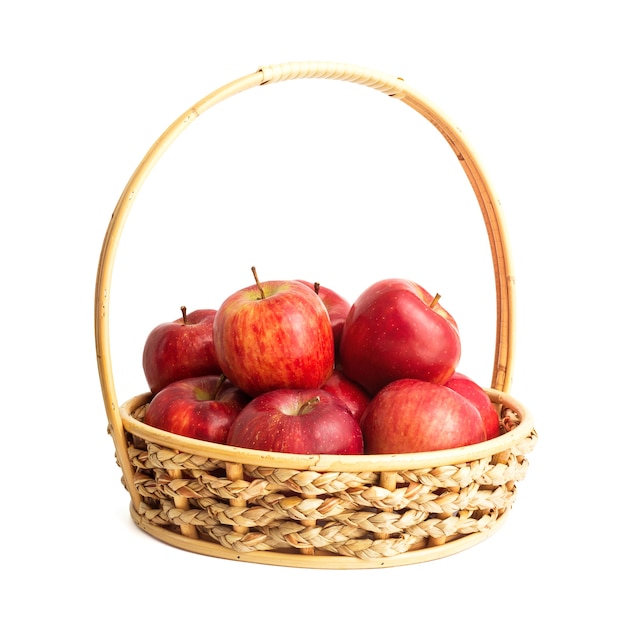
329, 462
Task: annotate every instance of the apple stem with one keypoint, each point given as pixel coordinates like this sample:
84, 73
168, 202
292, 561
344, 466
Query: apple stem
316, 286
220, 384
184, 312
435, 300
258, 284
308, 405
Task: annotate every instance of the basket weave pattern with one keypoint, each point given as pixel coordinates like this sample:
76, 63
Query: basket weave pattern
314, 512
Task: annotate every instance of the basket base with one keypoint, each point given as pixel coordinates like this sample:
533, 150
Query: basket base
314, 561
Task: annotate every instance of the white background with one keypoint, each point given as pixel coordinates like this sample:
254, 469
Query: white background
330, 182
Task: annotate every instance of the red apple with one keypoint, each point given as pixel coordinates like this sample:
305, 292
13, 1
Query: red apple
337, 307
347, 391
297, 421
180, 349
272, 335
396, 329
203, 407
478, 397
410, 415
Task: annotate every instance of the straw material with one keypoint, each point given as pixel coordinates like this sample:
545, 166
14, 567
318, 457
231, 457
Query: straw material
273, 508
350, 511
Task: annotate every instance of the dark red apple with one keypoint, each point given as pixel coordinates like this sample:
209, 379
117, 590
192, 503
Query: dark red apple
478, 397
180, 349
410, 415
203, 407
297, 421
273, 335
396, 329
337, 307
347, 391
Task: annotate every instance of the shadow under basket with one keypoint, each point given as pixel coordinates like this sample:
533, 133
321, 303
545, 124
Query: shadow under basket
319, 511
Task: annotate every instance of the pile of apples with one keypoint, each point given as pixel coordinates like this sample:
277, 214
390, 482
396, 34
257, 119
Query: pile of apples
291, 366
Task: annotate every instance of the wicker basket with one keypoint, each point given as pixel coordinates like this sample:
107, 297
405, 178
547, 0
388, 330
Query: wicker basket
319, 511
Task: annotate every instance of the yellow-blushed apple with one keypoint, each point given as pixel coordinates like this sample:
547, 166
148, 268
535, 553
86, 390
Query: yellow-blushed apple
274, 334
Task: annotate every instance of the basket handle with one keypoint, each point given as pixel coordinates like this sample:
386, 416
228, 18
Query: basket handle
389, 85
